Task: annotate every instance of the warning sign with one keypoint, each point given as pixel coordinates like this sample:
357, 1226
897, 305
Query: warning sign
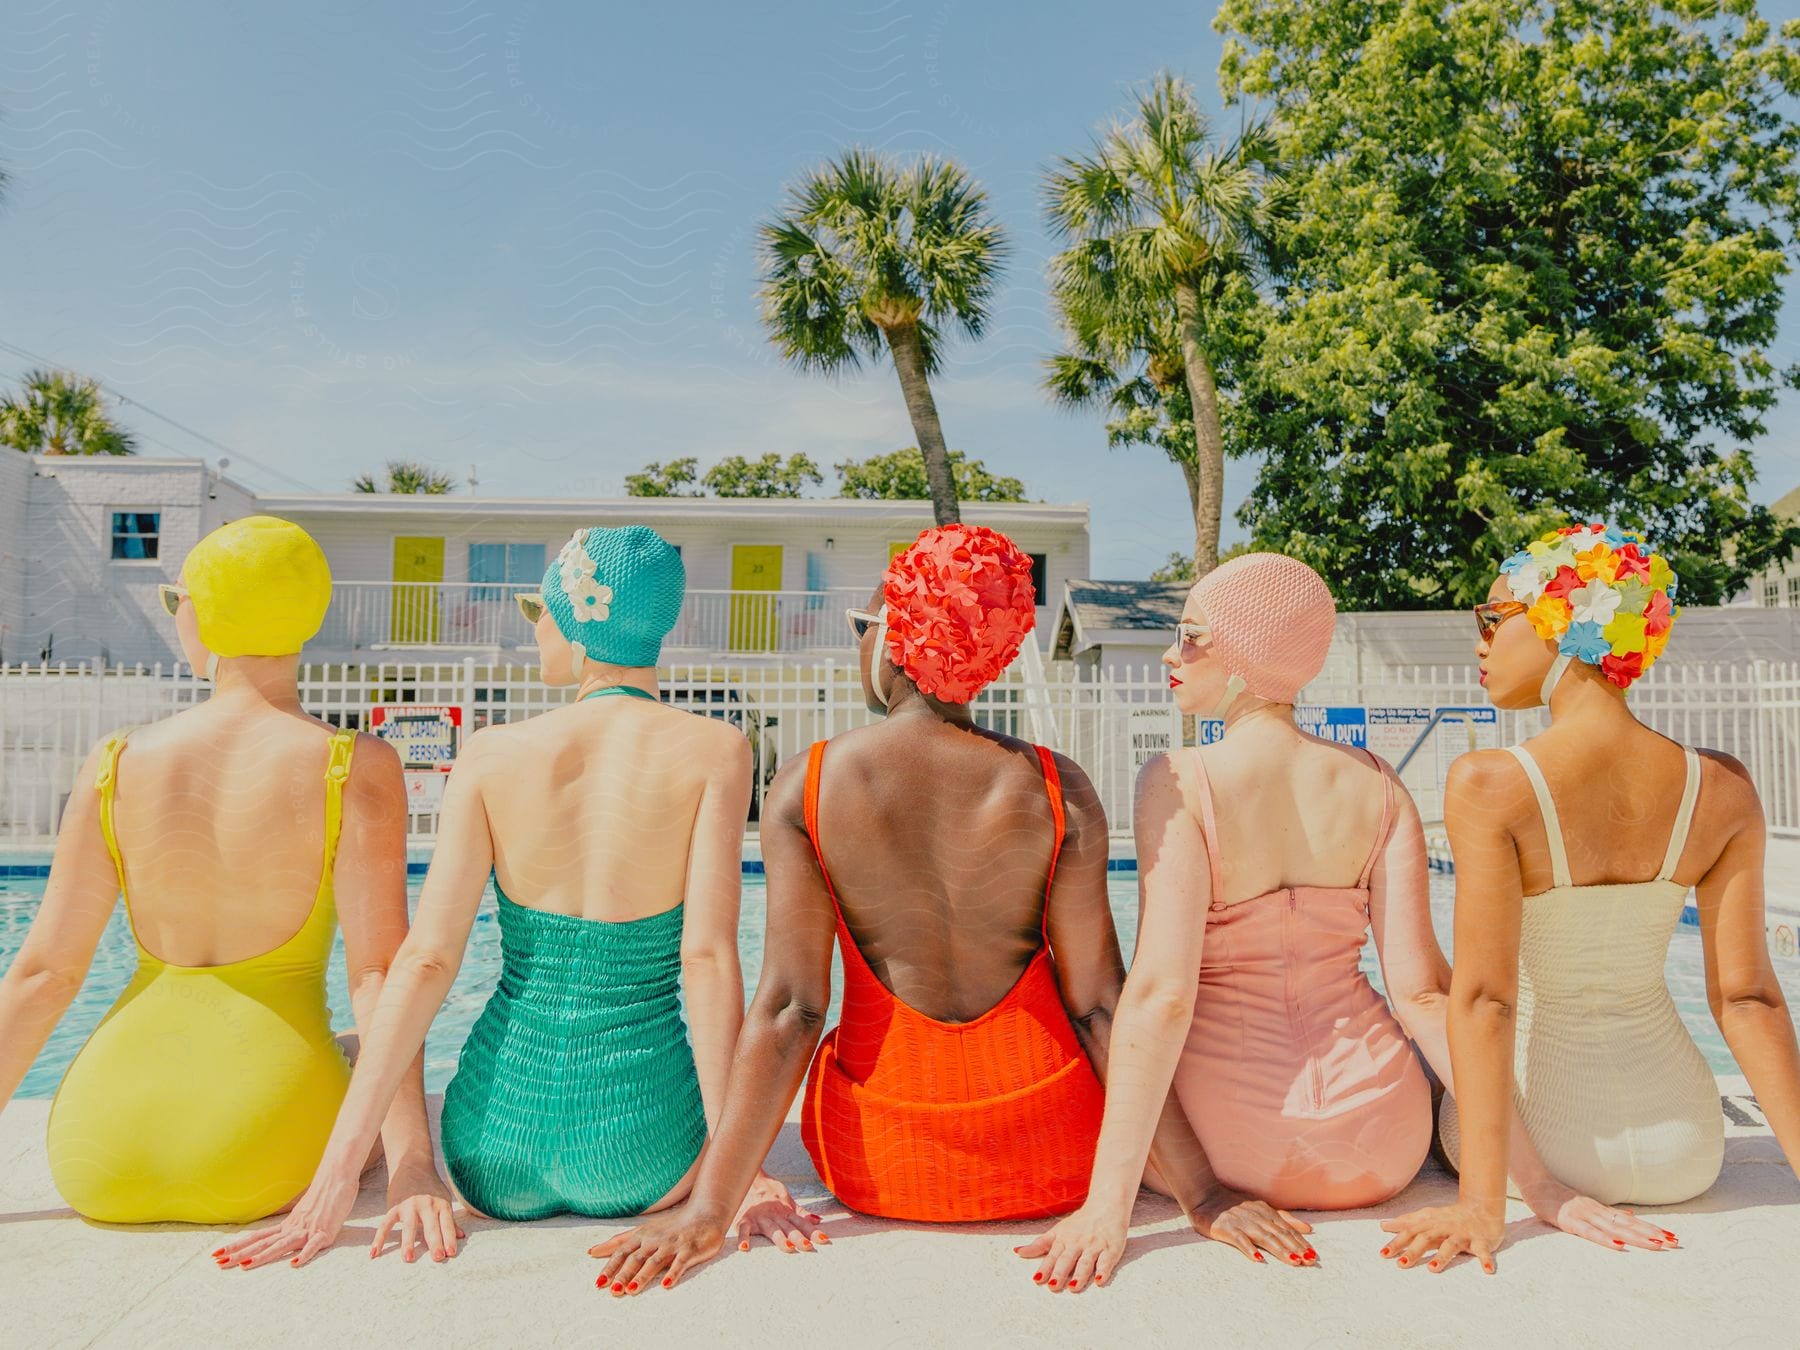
425, 734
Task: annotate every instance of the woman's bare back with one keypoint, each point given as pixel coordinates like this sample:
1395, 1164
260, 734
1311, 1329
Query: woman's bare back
1290, 810
937, 840
592, 807
220, 819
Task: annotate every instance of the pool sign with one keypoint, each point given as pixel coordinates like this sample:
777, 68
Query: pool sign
425, 734
1346, 726
1155, 729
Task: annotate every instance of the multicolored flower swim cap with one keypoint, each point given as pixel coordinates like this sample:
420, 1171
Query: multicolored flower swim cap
1600, 594
959, 604
615, 594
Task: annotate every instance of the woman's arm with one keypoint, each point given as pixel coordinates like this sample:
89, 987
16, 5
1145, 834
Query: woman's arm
781, 1030
420, 976
711, 977
1485, 792
47, 972
370, 886
1149, 1025
1418, 983
1741, 987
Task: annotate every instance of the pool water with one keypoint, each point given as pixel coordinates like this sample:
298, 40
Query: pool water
115, 960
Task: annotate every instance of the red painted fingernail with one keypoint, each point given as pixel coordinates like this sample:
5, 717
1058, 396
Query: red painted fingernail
1670, 1236
1257, 1255
1074, 1284
1311, 1255
600, 1283
294, 1261
617, 1286
244, 1264
668, 1281
1403, 1260
1099, 1279
1038, 1278
1433, 1265
1293, 1258
631, 1288
219, 1252
743, 1246
1387, 1251
1617, 1243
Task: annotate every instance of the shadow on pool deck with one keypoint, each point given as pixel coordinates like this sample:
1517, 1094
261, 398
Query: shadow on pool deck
67, 1282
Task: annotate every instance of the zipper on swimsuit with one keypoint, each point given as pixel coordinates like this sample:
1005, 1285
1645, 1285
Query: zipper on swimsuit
1315, 1078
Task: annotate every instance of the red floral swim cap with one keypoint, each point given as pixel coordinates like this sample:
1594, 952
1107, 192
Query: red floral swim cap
960, 602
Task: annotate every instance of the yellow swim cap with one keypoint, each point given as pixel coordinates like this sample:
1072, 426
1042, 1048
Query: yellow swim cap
260, 587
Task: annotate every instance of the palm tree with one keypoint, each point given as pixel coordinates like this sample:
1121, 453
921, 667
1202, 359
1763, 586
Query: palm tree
1164, 224
407, 476
871, 256
61, 413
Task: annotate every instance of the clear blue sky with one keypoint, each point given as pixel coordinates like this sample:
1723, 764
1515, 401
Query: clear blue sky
520, 235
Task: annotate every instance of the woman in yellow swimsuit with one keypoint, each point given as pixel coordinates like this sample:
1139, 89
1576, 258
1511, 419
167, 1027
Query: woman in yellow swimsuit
239, 832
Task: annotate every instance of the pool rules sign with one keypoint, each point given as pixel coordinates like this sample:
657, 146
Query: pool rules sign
426, 735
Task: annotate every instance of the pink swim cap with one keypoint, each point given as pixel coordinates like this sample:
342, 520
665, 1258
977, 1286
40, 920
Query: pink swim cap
959, 603
1271, 617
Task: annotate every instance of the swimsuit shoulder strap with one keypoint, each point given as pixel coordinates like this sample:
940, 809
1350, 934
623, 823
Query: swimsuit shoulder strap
337, 772
105, 782
815, 760
1053, 787
1559, 858
1387, 819
1208, 821
1684, 816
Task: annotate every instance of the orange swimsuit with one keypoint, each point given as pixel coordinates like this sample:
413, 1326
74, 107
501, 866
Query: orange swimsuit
908, 1117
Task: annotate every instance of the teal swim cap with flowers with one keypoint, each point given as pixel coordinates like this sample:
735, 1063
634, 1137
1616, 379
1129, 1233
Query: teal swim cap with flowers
615, 594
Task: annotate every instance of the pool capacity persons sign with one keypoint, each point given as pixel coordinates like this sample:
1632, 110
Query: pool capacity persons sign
426, 736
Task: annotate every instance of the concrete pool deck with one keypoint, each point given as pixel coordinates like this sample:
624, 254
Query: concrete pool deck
70, 1283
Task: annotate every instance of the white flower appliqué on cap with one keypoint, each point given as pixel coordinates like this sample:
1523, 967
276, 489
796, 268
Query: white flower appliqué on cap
591, 599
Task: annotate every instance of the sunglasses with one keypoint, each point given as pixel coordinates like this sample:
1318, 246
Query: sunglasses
1188, 634
531, 605
1490, 614
861, 621
171, 597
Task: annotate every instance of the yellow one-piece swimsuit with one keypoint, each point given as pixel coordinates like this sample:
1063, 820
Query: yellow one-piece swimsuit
207, 1093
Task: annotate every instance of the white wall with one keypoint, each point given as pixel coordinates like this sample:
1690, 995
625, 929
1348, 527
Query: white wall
15, 558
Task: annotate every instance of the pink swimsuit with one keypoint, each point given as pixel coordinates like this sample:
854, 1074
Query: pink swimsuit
1302, 1087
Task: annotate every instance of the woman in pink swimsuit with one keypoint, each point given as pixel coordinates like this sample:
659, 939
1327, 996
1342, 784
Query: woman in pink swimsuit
1265, 860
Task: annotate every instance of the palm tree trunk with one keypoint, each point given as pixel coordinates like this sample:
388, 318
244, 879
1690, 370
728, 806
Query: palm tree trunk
909, 362
1209, 438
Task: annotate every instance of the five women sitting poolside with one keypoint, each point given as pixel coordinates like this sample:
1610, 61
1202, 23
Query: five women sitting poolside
993, 1059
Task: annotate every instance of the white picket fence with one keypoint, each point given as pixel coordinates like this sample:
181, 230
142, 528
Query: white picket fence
50, 716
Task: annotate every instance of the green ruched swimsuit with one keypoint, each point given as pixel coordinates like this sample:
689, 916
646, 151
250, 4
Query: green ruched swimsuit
576, 1090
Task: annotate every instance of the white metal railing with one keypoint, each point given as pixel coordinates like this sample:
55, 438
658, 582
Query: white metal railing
50, 716
377, 616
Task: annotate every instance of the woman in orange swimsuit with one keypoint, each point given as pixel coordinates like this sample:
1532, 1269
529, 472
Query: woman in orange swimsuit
963, 876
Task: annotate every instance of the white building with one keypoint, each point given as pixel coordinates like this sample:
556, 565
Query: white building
84, 542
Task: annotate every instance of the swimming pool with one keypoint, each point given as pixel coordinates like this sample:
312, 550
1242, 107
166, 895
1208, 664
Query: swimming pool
114, 961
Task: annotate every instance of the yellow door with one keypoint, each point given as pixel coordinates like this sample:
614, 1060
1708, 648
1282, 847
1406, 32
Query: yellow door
419, 564
754, 620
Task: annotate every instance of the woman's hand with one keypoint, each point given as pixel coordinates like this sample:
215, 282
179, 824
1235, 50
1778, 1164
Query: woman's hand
769, 1209
666, 1245
1255, 1226
1085, 1247
419, 1204
310, 1227
1448, 1230
1586, 1217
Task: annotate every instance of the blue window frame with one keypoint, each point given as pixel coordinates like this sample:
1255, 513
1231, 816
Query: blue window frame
136, 534
514, 566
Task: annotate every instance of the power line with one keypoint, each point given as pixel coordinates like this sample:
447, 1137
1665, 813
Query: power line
182, 427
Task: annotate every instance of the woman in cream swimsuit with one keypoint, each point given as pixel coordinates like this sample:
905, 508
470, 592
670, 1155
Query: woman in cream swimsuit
1574, 855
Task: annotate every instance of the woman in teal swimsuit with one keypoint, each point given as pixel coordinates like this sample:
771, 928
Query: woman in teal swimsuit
612, 829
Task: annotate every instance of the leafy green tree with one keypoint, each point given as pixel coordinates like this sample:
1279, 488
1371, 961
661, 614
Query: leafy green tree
901, 476
674, 479
1166, 227
57, 412
866, 257
1532, 272
408, 477
735, 476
